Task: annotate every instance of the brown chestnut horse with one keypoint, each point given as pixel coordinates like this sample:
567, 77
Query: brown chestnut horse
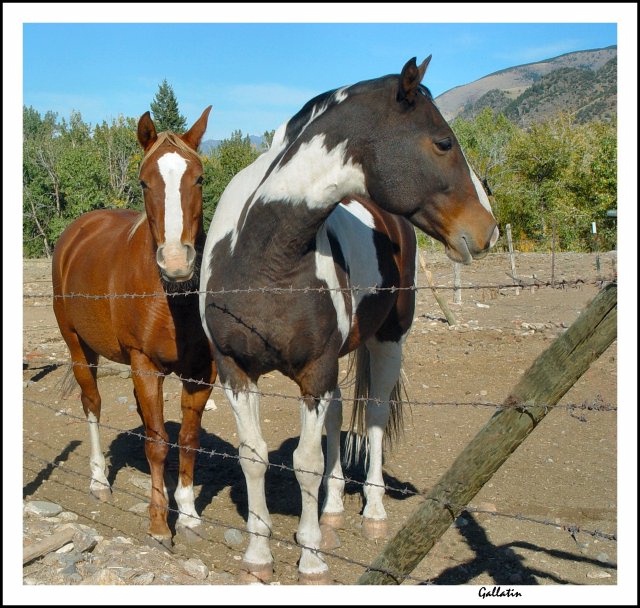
107, 255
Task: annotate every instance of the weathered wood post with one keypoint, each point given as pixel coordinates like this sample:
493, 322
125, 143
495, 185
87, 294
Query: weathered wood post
451, 319
514, 276
457, 283
550, 376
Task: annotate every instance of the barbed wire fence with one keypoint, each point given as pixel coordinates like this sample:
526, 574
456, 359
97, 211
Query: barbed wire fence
576, 410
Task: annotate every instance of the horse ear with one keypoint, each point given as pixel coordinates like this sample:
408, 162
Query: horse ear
194, 135
410, 79
146, 131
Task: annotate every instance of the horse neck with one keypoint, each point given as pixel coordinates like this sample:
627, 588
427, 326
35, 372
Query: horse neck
301, 191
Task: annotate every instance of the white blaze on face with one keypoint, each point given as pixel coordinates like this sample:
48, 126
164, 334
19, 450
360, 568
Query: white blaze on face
482, 195
172, 167
484, 200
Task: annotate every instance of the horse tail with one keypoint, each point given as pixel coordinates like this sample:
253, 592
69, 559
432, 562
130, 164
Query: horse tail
356, 440
68, 383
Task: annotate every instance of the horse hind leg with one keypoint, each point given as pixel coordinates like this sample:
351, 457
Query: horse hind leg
385, 358
85, 370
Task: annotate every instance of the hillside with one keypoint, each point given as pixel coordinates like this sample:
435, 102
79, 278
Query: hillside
584, 83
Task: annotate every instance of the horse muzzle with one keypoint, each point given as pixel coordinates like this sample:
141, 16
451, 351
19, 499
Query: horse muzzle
176, 262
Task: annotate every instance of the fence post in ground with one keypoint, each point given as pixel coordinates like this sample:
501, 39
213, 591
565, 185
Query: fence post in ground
514, 275
553, 255
451, 320
550, 376
457, 283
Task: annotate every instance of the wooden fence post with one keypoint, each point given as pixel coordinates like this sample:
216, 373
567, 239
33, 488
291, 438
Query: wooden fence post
550, 376
514, 275
451, 319
457, 283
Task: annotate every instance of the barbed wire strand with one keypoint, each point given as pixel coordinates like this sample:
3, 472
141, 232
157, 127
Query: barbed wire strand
389, 489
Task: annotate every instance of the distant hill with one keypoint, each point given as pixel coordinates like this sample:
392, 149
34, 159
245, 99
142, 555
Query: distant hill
211, 144
584, 83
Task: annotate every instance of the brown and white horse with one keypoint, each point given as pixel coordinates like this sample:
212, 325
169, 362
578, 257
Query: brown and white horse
325, 210
119, 283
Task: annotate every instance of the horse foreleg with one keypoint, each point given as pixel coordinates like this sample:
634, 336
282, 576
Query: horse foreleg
333, 508
254, 460
194, 398
148, 389
308, 465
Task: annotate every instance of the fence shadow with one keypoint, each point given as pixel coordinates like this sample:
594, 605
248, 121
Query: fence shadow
501, 562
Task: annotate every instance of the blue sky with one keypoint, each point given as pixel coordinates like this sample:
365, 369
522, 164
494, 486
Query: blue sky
257, 75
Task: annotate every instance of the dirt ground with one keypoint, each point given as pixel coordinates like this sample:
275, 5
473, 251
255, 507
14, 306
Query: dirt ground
518, 528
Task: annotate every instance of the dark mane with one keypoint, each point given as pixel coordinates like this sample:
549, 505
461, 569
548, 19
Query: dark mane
297, 123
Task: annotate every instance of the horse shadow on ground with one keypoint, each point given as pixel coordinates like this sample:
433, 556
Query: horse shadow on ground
218, 467
501, 562
45, 473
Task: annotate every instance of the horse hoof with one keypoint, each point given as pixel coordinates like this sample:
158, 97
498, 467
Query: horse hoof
190, 535
330, 539
255, 573
102, 494
335, 520
375, 529
314, 578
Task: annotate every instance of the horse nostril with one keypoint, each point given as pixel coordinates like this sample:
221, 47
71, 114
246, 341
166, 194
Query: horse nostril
160, 257
191, 254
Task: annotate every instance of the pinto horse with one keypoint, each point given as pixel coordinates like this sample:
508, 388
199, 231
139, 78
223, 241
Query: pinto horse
294, 235
100, 263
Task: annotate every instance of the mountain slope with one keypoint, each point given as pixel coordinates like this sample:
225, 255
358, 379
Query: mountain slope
584, 83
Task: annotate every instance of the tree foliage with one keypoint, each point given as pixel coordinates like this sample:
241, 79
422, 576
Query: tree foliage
164, 108
69, 169
231, 156
549, 181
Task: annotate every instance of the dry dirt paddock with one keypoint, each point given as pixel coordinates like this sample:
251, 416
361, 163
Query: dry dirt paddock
549, 516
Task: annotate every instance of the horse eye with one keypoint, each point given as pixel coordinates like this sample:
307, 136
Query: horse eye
200, 180
143, 184
444, 144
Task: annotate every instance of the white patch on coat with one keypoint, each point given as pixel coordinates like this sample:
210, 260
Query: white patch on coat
237, 195
326, 271
352, 225
172, 167
314, 176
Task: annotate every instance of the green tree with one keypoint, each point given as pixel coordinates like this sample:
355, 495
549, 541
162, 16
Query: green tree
230, 157
166, 114
485, 141
267, 140
120, 153
69, 169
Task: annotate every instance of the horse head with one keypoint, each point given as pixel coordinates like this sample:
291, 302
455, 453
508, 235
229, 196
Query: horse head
171, 176
411, 160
